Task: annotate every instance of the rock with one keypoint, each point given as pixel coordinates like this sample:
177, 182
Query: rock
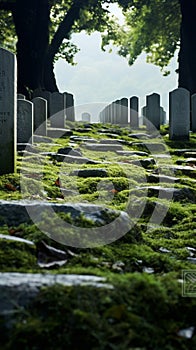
81, 130
116, 223
180, 152
82, 139
176, 194
26, 147
140, 136
145, 163
73, 159
162, 178
37, 139
56, 132
109, 141
150, 146
17, 290
132, 153
103, 147
190, 154
70, 151
98, 172
180, 169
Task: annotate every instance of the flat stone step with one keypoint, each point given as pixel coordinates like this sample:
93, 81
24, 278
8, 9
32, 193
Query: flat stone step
103, 147
57, 132
132, 153
176, 194
73, 159
162, 178
19, 289
98, 172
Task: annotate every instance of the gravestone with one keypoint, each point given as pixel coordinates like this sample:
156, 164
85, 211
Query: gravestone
162, 116
86, 117
21, 96
44, 94
153, 111
124, 111
24, 121
40, 116
193, 113
57, 110
179, 114
134, 117
8, 116
69, 105
118, 111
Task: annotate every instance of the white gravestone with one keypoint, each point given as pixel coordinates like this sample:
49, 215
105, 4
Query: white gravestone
134, 117
8, 112
179, 114
57, 110
86, 117
24, 121
193, 113
40, 116
153, 111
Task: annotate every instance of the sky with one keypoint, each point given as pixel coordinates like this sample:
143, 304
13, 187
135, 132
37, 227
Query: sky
101, 77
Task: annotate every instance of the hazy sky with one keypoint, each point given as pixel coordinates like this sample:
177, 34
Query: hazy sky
101, 77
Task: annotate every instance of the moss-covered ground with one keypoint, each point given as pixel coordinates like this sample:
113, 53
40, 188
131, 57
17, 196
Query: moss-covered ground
147, 308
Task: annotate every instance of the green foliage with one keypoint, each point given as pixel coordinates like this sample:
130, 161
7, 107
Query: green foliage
150, 26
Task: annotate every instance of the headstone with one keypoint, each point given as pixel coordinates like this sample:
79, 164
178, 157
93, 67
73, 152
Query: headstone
40, 116
8, 112
153, 111
21, 96
57, 110
113, 112
134, 117
162, 116
179, 114
124, 111
24, 121
193, 113
86, 117
118, 112
44, 94
69, 105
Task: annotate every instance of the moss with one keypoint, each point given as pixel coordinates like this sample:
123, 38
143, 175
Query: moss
16, 255
91, 318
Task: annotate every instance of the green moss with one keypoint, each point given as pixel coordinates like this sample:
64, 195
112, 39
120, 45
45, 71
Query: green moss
16, 255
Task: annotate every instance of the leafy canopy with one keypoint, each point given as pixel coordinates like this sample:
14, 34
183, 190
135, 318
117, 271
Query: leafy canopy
150, 26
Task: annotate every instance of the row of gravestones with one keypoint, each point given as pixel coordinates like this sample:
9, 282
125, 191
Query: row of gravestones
182, 113
118, 111
19, 118
33, 116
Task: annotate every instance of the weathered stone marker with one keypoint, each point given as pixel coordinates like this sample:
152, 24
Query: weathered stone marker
193, 113
162, 116
69, 106
124, 111
24, 121
179, 114
153, 111
40, 116
134, 118
8, 114
86, 117
57, 110
21, 96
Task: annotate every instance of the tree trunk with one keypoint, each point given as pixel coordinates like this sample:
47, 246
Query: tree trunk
187, 54
31, 20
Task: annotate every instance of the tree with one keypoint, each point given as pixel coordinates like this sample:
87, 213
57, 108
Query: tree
159, 28
41, 30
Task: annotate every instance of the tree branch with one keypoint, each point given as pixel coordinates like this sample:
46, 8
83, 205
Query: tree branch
66, 25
